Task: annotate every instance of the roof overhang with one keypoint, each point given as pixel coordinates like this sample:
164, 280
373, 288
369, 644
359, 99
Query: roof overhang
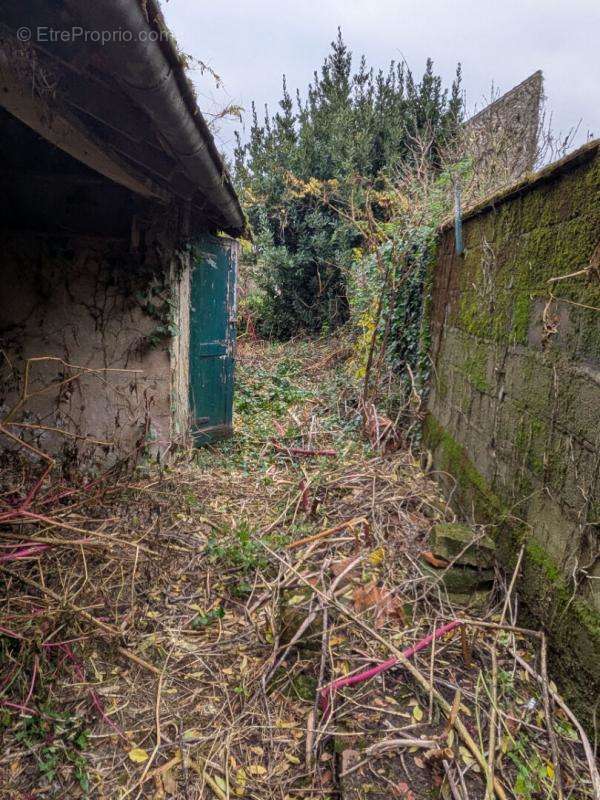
113, 93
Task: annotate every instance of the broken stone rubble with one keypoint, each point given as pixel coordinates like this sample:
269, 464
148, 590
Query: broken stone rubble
469, 558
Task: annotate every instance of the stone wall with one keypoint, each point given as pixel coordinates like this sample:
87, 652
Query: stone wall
89, 369
514, 405
502, 139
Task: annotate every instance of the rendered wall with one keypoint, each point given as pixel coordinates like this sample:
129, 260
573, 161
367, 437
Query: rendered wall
514, 406
91, 326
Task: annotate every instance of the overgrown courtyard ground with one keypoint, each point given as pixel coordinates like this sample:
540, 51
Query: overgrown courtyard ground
170, 635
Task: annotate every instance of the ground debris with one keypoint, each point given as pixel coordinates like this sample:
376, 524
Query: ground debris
177, 635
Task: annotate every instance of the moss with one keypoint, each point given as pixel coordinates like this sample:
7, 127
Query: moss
584, 321
453, 459
557, 464
540, 558
530, 443
341, 743
521, 318
540, 235
497, 294
305, 686
545, 594
475, 369
573, 628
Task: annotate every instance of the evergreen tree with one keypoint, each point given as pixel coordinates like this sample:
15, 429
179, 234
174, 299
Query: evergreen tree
352, 127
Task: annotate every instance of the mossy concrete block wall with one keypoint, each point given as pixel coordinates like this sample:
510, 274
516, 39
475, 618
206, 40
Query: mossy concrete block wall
514, 407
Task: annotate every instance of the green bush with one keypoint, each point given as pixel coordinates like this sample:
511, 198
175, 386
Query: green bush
304, 162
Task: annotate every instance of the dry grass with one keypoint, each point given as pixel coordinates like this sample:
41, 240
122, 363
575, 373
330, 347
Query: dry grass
161, 622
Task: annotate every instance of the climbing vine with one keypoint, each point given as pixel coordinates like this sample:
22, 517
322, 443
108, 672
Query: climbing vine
387, 281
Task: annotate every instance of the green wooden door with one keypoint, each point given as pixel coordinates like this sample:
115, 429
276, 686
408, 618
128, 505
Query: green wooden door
212, 339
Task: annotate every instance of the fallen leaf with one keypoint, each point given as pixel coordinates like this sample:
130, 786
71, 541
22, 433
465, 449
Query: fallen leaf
403, 791
365, 597
377, 556
169, 782
296, 600
386, 605
418, 713
389, 607
138, 755
240, 783
191, 734
434, 561
257, 769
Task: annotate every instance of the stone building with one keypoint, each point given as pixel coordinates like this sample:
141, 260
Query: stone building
113, 195
502, 140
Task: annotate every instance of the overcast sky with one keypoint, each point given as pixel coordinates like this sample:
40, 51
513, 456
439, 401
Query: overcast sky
251, 44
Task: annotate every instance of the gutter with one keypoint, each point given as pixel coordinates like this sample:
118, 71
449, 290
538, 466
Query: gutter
149, 70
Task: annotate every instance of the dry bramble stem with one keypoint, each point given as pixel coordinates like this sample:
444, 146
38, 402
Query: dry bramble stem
351, 523
103, 626
404, 662
302, 451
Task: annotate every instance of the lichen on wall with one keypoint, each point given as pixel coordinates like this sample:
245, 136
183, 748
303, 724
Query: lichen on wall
514, 402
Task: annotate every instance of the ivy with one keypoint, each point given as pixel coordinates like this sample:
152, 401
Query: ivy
159, 303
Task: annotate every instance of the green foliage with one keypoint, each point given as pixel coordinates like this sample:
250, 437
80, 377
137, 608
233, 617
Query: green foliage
239, 551
533, 777
352, 127
208, 618
261, 395
387, 290
269, 392
158, 302
60, 740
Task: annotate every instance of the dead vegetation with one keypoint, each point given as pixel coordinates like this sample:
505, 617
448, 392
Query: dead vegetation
259, 621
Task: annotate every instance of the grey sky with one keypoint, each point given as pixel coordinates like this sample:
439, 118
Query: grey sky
251, 44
